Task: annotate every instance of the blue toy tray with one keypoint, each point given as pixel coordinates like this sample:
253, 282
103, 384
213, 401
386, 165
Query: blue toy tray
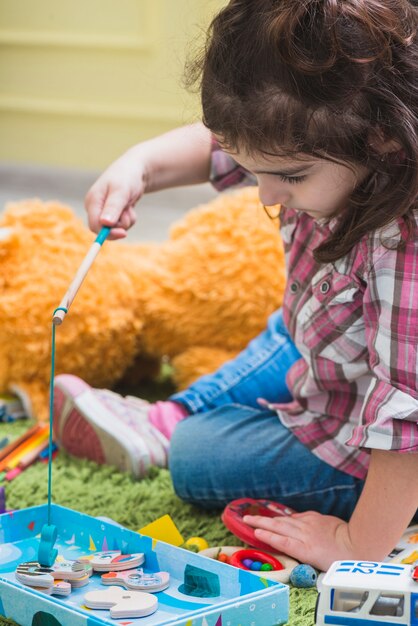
202, 591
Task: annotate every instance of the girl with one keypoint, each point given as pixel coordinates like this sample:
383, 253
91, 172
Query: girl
316, 101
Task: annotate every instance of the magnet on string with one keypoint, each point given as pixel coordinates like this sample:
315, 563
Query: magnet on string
46, 551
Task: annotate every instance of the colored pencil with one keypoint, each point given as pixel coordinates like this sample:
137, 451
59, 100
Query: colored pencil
16, 443
31, 456
44, 455
2, 500
13, 473
23, 446
26, 447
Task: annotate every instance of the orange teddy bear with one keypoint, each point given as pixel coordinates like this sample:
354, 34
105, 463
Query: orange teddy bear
197, 298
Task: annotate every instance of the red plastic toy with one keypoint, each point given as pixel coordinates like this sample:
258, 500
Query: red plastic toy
255, 560
235, 511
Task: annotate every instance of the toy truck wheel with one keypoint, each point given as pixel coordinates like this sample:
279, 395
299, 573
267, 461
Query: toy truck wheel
316, 608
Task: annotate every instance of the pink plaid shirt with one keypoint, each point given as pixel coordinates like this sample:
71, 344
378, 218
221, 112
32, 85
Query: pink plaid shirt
355, 322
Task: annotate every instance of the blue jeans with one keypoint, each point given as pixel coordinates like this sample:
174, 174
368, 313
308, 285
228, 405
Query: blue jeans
231, 448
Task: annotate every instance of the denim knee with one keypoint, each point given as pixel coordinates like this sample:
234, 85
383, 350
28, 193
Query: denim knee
236, 451
197, 448
183, 462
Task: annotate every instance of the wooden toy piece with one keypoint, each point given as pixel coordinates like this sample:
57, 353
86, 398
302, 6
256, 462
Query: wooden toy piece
33, 574
122, 603
163, 529
137, 580
234, 512
54, 580
80, 582
61, 588
46, 590
71, 570
112, 560
220, 553
255, 560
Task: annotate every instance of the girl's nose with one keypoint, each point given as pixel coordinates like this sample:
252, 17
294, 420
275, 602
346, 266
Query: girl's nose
272, 193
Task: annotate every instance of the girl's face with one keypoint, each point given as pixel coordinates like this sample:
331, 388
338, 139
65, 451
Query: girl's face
315, 186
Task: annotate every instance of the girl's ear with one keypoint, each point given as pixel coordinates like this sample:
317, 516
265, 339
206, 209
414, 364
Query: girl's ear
383, 145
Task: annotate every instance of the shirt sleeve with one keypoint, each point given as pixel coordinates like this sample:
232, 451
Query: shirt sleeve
225, 172
389, 417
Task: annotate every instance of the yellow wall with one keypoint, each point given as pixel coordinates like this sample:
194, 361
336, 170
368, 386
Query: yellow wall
80, 81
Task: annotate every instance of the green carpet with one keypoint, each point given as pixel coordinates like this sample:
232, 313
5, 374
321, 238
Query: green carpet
99, 490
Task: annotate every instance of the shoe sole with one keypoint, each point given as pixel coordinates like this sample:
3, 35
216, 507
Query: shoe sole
86, 428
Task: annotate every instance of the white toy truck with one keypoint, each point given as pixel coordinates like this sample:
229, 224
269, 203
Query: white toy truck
360, 593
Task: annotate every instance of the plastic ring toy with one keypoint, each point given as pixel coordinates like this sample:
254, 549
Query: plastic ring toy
280, 576
234, 512
255, 555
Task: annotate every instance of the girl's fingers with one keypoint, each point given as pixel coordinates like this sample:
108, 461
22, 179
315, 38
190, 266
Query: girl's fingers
94, 203
132, 216
111, 205
124, 220
116, 202
304, 515
275, 524
291, 545
117, 233
283, 534
111, 210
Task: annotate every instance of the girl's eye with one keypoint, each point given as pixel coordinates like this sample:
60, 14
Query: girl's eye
293, 180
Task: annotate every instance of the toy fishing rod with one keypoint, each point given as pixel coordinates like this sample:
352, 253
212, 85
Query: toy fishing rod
86, 264
47, 553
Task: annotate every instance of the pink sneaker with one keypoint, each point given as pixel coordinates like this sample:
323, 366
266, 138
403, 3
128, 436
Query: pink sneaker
105, 427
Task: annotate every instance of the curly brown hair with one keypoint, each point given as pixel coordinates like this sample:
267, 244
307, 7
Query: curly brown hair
320, 78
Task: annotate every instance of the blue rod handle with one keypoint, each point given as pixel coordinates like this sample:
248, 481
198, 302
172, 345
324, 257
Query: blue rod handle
102, 235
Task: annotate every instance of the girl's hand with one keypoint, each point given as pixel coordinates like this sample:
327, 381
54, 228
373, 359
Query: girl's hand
308, 537
111, 200
179, 157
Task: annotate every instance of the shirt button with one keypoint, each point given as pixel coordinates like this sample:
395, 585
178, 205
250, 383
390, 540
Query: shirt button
325, 286
294, 287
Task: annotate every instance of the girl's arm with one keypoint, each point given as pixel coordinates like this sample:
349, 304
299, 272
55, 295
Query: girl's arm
179, 157
386, 506
390, 495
